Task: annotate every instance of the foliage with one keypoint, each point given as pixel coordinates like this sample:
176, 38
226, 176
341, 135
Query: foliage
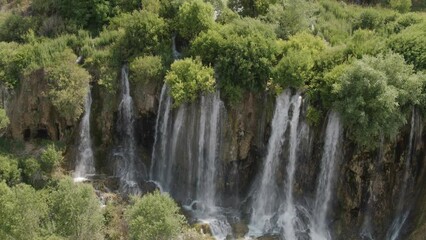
242, 52
68, 85
75, 211
299, 54
144, 33
50, 158
154, 216
4, 120
14, 28
400, 5
372, 94
290, 17
411, 43
9, 171
193, 17
188, 78
251, 8
364, 42
22, 210
145, 69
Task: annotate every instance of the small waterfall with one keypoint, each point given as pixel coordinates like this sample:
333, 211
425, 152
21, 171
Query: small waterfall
208, 150
289, 218
85, 165
162, 128
402, 211
126, 167
329, 162
185, 157
266, 194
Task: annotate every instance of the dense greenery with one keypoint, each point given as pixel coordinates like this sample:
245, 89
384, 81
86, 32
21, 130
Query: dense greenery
154, 216
188, 78
367, 62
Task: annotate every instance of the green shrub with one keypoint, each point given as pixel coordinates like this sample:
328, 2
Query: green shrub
242, 52
22, 212
401, 5
193, 17
411, 43
299, 55
144, 33
4, 120
154, 217
370, 19
68, 85
75, 211
373, 94
364, 42
9, 171
145, 69
188, 79
14, 28
50, 158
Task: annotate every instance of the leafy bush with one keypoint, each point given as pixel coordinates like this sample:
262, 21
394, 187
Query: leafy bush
242, 52
411, 43
14, 28
9, 171
194, 17
145, 69
50, 158
4, 120
364, 42
400, 5
75, 211
299, 55
372, 95
22, 212
154, 216
68, 85
144, 33
187, 79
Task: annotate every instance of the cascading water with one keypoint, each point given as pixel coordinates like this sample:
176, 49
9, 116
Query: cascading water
266, 199
85, 165
289, 218
187, 142
402, 211
125, 154
329, 162
162, 128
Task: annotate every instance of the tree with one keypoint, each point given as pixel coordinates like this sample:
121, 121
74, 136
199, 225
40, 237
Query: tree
374, 93
242, 52
188, 78
68, 84
299, 55
145, 69
9, 171
144, 34
22, 211
75, 211
4, 120
402, 6
155, 216
194, 17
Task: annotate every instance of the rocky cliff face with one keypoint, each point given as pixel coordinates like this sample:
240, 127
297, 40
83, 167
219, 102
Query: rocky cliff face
369, 183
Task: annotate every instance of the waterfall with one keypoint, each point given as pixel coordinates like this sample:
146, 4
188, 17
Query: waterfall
288, 219
126, 166
266, 198
185, 156
208, 150
402, 212
330, 160
85, 165
162, 128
